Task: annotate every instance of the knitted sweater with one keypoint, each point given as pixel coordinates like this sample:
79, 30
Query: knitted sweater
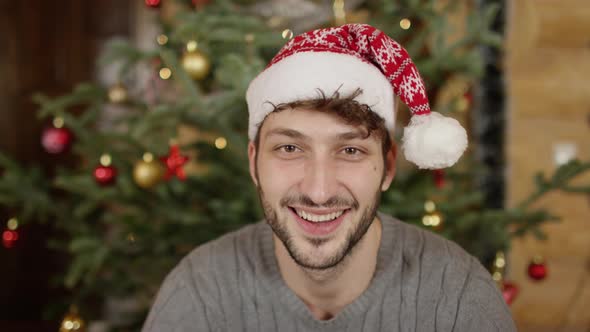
422, 282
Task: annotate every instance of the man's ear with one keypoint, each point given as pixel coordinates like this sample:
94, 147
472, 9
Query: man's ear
390, 167
252, 161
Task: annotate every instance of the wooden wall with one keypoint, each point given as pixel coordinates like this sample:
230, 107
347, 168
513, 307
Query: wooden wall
48, 47
548, 87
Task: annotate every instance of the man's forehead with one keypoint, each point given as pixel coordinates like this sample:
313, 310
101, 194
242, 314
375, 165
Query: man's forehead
353, 133
307, 124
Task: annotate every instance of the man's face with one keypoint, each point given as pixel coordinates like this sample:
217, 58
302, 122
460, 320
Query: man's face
319, 182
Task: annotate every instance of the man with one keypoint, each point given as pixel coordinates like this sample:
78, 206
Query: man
321, 119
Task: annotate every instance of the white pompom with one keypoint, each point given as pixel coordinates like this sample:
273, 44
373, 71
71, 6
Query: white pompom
434, 141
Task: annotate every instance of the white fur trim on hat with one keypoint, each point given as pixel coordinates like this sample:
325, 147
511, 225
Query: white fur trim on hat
434, 141
299, 76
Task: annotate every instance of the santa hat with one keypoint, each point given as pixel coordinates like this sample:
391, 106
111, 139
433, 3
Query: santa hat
345, 59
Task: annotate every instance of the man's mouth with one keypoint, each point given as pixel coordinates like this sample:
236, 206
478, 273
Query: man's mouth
319, 222
318, 217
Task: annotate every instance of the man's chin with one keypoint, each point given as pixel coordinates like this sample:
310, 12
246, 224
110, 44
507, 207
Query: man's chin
319, 263
314, 253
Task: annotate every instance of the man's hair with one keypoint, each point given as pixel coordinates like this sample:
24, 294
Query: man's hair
346, 108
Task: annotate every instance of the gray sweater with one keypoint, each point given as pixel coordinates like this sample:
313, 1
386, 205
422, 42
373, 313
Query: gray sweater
422, 283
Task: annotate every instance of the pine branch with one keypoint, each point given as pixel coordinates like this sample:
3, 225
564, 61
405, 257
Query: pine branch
559, 181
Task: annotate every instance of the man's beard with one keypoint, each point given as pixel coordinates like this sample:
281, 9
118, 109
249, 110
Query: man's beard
352, 239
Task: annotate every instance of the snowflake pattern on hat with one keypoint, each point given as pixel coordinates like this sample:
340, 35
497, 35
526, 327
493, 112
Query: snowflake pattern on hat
369, 45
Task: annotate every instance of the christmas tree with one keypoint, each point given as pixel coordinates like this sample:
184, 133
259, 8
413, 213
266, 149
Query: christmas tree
162, 168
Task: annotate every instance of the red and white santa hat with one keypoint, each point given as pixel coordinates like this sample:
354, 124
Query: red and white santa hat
356, 56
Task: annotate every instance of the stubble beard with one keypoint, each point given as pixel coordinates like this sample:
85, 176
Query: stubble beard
355, 235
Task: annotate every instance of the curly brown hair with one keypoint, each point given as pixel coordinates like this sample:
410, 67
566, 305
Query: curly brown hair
347, 108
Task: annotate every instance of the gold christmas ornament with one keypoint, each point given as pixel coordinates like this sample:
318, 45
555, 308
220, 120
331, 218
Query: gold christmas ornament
118, 93
196, 64
72, 321
147, 172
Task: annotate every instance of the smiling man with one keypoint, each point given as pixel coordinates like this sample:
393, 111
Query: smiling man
321, 122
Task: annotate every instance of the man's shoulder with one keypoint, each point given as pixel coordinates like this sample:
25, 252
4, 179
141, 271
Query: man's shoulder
217, 264
424, 247
205, 277
224, 250
449, 276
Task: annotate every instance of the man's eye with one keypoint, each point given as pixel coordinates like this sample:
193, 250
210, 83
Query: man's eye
288, 148
351, 151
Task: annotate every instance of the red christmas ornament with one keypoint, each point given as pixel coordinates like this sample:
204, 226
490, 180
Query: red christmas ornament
509, 291
537, 269
105, 174
9, 238
174, 162
56, 140
439, 178
153, 3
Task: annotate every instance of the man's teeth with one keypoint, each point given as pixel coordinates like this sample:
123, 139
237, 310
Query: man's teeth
319, 217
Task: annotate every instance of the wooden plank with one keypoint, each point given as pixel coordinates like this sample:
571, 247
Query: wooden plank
553, 80
563, 24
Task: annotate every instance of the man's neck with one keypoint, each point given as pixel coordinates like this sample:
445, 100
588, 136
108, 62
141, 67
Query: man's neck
327, 292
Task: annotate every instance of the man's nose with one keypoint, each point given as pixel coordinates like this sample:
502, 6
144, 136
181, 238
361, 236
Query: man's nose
319, 180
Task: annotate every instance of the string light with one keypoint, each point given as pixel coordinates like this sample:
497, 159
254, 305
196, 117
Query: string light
429, 206
498, 268
191, 46
165, 73
58, 122
220, 143
12, 224
162, 39
405, 23
105, 160
431, 220
148, 157
287, 34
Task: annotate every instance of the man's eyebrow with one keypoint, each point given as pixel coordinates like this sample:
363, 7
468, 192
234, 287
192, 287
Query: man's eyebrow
292, 133
357, 134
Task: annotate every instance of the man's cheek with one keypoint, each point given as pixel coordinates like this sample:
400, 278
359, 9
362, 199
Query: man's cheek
280, 173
